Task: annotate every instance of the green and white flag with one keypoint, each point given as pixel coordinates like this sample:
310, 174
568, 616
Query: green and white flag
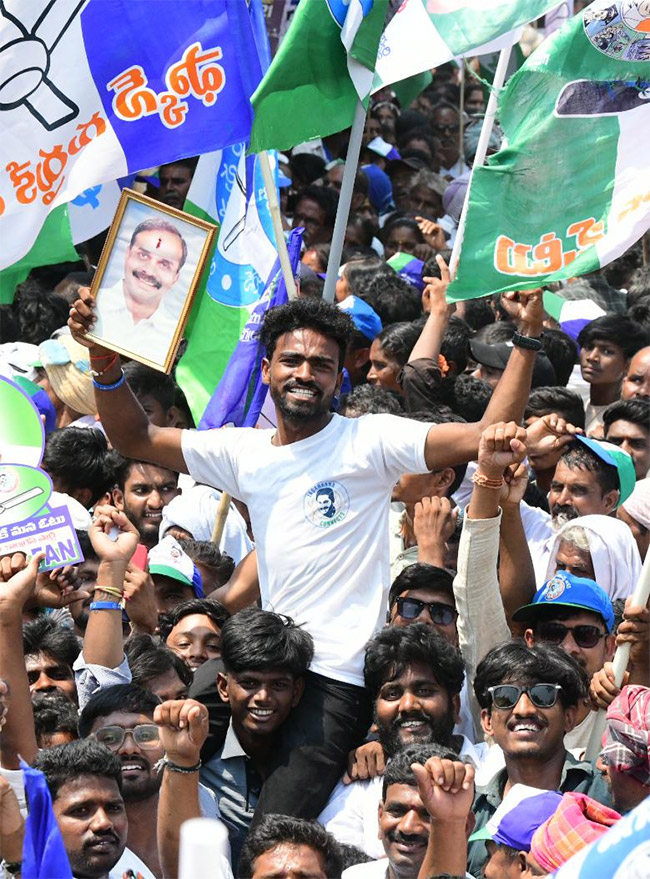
323, 66
570, 191
427, 33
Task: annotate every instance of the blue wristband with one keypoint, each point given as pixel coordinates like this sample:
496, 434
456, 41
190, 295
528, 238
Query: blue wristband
106, 605
112, 387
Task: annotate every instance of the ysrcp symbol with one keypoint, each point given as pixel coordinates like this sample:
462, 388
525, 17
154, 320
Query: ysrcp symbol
326, 504
620, 30
555, 588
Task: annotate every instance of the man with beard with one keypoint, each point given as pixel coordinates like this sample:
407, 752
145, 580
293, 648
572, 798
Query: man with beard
121, 719
403, 818
141, 492
529, 698
330, 573
85, 783
414, 676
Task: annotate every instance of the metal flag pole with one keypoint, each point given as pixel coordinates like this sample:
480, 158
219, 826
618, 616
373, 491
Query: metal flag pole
461, 107
345, 200
481, 149
276, 218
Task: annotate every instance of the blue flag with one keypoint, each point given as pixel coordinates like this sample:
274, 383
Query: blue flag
44, 855
240, 394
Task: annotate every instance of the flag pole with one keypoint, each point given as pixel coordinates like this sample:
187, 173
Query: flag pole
345, 200
481, 149
620, 662
461, 107
276, 218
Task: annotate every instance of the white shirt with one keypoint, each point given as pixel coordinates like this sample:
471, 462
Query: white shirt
319, 513
150, 337
370, 870
130, 865
351, 813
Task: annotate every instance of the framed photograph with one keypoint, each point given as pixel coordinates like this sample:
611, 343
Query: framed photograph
147, 277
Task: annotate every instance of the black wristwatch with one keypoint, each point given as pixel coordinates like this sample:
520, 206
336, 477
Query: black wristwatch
531, 343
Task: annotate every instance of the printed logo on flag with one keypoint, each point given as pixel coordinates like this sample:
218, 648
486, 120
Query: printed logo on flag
620, 30
339, 9
326, 504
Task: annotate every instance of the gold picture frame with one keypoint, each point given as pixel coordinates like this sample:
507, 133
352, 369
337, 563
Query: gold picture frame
147, 277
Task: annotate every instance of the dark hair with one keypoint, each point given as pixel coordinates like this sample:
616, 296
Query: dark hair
479, 313
617, 329
53, 712
275, 830
79, 457
443, 415
407, 223
43, 635
360, 274
577, 456
325, 197
204, 552
147, 382
149, 660
87, 548
256, 639
562, 351
421, 576
209, 607
455, 343
127, 698
496, 333
396, 647
513, 661
190, 162
66, 763
122, 468
640, 314
9, 331
367, 229
40, 312
545, 401
394, 300
369, 399
398, 340
311, 314
398, 768
407, 122
639, 286
157, 225
306, 167
469, 397
636, 410
418, 132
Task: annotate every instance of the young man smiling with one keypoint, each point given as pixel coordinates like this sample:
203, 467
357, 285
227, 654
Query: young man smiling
321, 570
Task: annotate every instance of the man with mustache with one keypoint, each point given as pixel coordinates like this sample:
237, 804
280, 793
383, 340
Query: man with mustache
139, 312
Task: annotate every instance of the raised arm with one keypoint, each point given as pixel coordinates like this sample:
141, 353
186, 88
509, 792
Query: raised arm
433, 302
124, 420
449, 444
243, 588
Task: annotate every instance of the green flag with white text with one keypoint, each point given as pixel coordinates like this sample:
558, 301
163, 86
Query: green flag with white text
571, 190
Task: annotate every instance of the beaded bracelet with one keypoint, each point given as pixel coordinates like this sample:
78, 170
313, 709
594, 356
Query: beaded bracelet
105, 605
486, 482
112, 387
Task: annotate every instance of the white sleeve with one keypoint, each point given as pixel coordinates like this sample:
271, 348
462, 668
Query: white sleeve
398, 445
343, 815
210, 456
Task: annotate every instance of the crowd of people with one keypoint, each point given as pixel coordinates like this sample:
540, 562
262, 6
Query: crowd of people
390, 662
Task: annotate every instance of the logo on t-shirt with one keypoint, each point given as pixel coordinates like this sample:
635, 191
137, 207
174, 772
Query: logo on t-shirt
326, 504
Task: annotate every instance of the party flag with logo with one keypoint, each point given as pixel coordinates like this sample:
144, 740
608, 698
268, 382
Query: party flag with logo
571, 191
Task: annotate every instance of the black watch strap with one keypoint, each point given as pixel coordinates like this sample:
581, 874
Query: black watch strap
531, 343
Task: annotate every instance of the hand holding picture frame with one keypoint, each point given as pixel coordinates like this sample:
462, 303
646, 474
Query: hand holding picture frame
147, 277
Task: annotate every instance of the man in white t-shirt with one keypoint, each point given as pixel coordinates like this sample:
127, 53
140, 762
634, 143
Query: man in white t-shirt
329, 572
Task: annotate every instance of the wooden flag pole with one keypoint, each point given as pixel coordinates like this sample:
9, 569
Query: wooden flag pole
222, 515
481, 149
620, 662
276, 218
345, 200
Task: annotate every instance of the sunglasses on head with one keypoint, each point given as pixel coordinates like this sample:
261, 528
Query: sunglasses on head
583, 635
506, 696
411, 608
145, 735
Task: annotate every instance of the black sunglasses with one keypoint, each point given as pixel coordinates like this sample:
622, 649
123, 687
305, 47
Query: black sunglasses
411, 608
583, 635
506, 696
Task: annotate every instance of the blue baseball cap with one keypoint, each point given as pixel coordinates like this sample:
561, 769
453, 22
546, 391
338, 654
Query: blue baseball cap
365, 318
566, 590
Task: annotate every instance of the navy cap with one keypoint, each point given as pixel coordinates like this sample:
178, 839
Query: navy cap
365, 318
566, 590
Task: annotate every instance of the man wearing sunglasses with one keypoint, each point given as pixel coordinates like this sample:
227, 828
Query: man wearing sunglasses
121, 719
529, 698
573, 613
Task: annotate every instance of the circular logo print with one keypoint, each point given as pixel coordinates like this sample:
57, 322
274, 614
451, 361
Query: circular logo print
554, 588
326, 504
620, 30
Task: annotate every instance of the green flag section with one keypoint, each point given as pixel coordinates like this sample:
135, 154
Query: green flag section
427, 33
571, 191
313, 84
